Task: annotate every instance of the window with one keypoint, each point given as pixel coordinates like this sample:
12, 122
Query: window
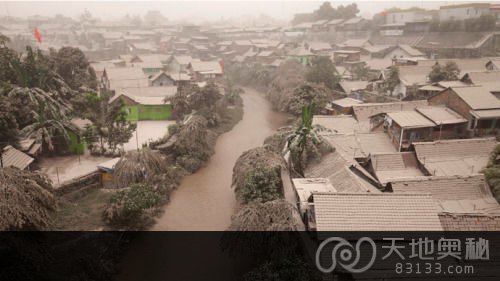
467, 11
129, 110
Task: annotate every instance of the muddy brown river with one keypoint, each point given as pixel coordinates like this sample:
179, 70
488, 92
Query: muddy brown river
205, 200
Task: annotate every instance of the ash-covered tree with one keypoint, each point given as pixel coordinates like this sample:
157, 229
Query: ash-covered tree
257, 176
48, 127
392, 80
306, 94
198, 100
109, 123
26, 198
323, 72
8, 124
72, 65
448, 72
305, 143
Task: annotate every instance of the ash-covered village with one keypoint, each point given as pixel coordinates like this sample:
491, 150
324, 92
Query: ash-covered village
329, 121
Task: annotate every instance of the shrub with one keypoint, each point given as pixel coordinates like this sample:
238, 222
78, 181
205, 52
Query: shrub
262, 184
133, 208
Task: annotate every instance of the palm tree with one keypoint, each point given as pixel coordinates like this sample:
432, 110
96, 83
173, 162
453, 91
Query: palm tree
138, 166
304, 142
27, 199
47, 125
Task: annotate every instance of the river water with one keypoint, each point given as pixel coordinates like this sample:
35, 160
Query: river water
205, 200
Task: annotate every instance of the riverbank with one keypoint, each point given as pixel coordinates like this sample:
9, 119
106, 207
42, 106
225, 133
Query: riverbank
205, 200
85, 212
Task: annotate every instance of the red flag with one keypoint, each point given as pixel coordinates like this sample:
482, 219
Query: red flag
38, 36
222, 65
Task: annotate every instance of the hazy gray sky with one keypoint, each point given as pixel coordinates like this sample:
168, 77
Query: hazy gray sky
195, 10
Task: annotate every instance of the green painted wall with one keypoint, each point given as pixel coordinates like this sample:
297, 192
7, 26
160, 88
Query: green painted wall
155, 112
148, 70
148, 112
75, 145
132, 112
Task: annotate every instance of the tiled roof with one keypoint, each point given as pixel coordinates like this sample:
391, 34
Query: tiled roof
392, 166
454, 157
445, 187
336, 169
12, 157
375, 212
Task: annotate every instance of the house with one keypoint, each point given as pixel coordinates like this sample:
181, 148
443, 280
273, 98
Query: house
146, 103
125, 77
387, 167
333, 24
178, 63
460, 12
404, 51
319, 26
404, 127
464, 202
12, 157
353, 24
454, 157
422, 124
266, 57
354, 44
399, 16
301, 55
334, 168
372, 212
304, 187
344, 106
161, 79
487, 79
204, 70
355, 88
344, 56
476, 104
319, 47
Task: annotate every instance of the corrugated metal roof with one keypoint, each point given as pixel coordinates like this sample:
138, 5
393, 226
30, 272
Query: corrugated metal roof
364, 111
477, 97
410, 119
375, 212
12, 157
441, 115
445, 187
